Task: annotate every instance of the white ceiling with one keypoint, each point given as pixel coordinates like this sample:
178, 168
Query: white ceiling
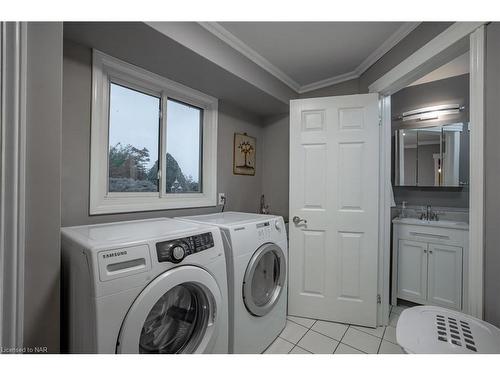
310, 55
456, 67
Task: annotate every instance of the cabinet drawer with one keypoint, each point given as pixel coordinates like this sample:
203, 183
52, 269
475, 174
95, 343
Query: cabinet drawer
430, 234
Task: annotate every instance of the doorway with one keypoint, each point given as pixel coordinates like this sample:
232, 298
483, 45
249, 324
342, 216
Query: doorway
429, 57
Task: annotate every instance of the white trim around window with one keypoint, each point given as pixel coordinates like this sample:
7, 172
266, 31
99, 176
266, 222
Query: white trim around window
106, 69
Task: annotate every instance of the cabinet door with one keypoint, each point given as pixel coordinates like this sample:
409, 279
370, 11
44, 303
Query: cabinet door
445, 276
412, 271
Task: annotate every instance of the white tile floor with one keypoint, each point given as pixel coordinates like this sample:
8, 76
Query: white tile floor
308, 336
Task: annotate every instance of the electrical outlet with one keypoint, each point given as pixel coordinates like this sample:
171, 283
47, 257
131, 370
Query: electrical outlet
222, 198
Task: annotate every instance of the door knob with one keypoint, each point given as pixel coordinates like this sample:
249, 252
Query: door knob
297, 220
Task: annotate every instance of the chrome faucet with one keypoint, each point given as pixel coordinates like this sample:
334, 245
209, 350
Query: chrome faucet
429, 215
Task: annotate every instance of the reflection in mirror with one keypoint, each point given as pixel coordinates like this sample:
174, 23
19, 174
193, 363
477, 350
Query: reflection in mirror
429, 171
451, 154
436, 156
406, 156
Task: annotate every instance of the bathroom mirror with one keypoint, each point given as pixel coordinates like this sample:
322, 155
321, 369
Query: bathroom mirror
432, 156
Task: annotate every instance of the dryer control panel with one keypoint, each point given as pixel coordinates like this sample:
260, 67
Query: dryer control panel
175, 251
264, 230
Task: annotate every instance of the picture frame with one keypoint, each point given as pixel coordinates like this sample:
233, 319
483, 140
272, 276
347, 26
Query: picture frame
244, 150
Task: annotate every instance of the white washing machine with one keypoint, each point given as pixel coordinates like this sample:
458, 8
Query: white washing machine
147, 286
257, 259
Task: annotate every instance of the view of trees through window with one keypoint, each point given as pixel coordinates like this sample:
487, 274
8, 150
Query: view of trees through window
183, 148
128, 172
134, 141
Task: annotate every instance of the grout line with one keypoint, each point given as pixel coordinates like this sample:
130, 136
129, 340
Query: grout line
304, 335
301, 337
391, 342
336, 346
378, 338
291, 342
340, 341
298, 346
301, 324
380, 343
322, 334
330, 337
368, 333
352, 347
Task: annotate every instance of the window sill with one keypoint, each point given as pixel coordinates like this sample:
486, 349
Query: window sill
114, 204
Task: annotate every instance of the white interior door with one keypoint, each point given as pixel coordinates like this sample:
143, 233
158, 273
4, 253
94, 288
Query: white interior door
334, 189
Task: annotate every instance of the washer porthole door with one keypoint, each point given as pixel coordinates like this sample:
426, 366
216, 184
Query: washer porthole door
176, 313
264, 279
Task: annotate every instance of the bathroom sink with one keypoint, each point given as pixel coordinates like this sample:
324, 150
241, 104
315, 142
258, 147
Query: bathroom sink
432, 223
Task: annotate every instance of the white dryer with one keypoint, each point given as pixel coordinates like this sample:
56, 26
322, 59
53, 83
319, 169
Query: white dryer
257, 260
147, 286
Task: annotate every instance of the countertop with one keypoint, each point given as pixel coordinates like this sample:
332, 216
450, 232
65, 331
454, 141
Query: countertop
436, 224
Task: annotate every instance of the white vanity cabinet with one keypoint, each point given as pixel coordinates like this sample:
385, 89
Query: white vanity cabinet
430, 262
412, 271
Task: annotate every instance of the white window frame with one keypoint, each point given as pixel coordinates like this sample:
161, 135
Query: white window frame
106, 69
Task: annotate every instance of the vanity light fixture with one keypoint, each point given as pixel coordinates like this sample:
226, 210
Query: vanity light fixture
431, 113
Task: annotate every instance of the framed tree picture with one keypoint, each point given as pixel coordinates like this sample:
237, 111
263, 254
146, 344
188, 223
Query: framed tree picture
244, 154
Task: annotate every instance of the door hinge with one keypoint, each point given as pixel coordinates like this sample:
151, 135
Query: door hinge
379, 299
379, 121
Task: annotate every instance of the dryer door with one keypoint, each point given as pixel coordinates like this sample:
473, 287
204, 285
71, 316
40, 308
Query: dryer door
264, 279
176, 313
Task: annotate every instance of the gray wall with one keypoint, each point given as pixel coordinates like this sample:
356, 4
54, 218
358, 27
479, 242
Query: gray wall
275, 177
43, 133
446, 91
243, 192
492, 177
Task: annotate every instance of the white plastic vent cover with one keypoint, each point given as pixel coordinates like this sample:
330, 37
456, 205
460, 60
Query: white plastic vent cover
430, 329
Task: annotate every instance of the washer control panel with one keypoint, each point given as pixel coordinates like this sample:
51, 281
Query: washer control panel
264, 230
175, 251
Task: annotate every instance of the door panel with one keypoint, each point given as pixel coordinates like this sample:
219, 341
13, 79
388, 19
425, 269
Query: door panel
445, 276
313, 271
334, 174
412, 271
351, 176
314, 178
350, 245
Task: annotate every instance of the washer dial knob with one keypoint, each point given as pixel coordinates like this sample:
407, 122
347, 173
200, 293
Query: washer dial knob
178, 253
277, 225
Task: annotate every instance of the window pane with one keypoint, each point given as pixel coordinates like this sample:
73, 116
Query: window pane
183, 148
133, 140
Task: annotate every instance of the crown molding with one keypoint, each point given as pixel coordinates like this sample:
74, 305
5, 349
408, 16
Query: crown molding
237, 44
328, 82
385, 47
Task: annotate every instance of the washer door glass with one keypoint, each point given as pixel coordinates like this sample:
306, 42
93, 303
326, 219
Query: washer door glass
177, 322
264, 279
